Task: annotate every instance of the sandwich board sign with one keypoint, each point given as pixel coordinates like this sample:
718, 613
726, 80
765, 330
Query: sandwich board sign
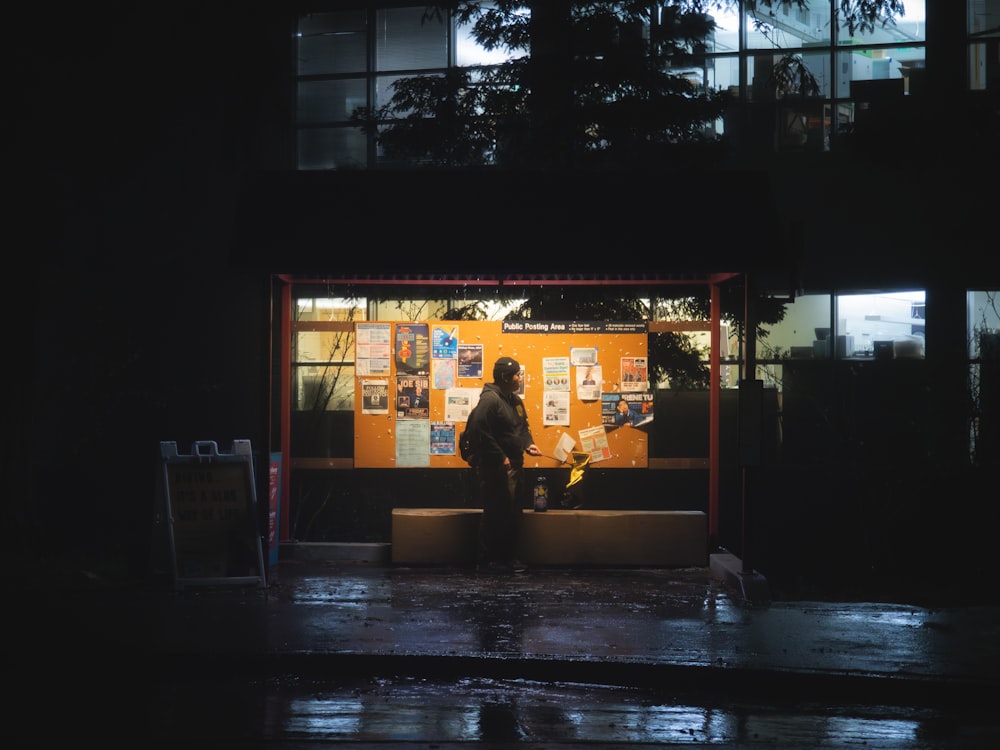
211, 514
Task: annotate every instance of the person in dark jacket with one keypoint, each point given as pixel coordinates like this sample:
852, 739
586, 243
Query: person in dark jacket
501, 425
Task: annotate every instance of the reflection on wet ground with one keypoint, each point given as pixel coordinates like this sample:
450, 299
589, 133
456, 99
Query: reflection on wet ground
386, 657
408, 709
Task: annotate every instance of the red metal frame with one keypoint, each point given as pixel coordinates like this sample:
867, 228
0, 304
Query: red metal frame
713, 280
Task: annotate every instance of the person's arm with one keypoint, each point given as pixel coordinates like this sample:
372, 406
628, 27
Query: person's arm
527, 440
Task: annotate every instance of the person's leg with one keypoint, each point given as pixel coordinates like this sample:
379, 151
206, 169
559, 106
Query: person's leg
517, 497
495, 519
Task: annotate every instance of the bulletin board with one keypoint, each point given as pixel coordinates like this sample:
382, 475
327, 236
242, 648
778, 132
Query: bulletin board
418, 380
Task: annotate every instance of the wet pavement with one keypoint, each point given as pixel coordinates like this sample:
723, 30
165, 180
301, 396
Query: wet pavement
354, 654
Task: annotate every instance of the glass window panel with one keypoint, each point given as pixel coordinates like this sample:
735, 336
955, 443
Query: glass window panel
469, 52
984, 373
331, 43
789, 27
726, 74
878, 65
726, 37
983, 16
714, 73
984, 323
323, 347
760, 73
411, 309
323, 388
802, 332
323, 370
330, 101
384, 91
873, 325
818, 63
978, 55
330, 308
332, 148
406, 42
909, 27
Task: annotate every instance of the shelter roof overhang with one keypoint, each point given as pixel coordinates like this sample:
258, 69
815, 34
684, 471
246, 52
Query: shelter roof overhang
513, 280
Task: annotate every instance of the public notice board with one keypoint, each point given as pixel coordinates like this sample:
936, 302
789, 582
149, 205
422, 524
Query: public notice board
585, 385
210, 505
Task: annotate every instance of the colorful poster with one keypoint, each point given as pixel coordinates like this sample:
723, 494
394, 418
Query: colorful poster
626, 409
445, 343
635, 374
444, 373
442, 438
556, 373
413, 397
595, 442
413, 348
373, 348
470, 361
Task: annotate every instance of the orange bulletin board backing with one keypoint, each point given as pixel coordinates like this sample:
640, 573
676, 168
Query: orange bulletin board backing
412, 403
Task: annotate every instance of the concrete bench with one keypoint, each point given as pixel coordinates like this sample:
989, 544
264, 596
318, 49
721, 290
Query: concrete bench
653, 538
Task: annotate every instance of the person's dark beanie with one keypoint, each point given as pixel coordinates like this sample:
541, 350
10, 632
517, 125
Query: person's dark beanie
504, 369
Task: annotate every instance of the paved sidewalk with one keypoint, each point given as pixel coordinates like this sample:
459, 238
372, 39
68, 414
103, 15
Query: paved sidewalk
439, 640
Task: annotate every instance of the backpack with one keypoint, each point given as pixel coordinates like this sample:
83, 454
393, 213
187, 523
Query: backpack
468, 442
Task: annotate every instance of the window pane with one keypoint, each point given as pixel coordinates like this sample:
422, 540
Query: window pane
332, 43
330, 308
323, 388
892, 71
726, 37
978, 67
330, 101
405, 42
410, 309
323, 347
909, 27
724, 74
984, 323
983, 15
984, 374
332, 148
763, 78
889, 324
786, 26
323, 370
384, 90
802, 332
469, 52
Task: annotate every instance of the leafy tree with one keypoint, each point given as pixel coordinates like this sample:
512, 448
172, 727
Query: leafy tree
595, 90
605, 84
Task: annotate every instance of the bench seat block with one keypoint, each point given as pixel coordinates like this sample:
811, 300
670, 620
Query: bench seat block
435, 535
667, 538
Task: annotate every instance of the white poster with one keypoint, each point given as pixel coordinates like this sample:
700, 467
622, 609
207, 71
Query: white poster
588, 382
